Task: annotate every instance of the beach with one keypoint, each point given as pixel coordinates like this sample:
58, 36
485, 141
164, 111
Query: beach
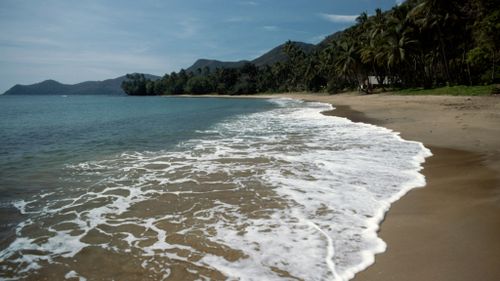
260, 174
189, 188
450, 229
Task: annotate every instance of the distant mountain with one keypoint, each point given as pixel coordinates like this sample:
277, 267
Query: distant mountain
329, 39
51, 87
214, 64
113, 86
273, 56
278, 55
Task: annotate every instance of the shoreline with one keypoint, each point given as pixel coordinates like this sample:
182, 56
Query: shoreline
449, 229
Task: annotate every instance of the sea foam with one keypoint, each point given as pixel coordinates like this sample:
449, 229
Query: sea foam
282, 194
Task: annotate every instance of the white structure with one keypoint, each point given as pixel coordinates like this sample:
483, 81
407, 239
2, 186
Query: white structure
373, 80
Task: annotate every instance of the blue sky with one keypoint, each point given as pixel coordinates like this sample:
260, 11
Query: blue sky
74, 41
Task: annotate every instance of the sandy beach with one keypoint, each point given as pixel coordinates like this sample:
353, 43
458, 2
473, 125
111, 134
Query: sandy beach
450, 229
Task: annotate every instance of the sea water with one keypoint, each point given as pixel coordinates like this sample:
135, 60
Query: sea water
155, 188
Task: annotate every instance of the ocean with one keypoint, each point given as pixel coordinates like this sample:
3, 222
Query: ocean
166, 188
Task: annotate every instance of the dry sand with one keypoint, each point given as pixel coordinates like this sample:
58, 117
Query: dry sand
450, 229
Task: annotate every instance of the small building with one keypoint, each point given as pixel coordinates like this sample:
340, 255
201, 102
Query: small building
372, 80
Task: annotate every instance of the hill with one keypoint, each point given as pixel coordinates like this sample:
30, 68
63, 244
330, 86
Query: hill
214, 64
273, 56
278, 55
113, 86
330, 38
52, 87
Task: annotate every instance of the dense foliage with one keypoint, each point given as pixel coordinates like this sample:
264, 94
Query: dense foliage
420, 43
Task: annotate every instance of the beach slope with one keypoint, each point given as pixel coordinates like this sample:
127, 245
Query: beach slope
449, 230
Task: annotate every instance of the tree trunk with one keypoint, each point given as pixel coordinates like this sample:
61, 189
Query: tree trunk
380, 79
443, 53
493, 68
468, 69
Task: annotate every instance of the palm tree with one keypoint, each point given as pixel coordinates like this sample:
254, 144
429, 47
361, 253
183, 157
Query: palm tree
297, 63
397, 46
433, 16
369, 55
362, 19
378, 25
347, 61
327, 60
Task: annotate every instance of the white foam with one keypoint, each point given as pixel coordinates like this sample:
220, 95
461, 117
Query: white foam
334, 179
375, 157
74, 274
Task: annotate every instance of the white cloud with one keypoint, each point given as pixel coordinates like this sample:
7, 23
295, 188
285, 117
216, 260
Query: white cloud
189, 28
339, 18
94, 58
270, 27
238, 19
8, 39
399, 2
249, 3
27, 66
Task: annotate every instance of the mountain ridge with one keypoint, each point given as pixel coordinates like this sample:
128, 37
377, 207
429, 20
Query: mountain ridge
52, 87
113, 86
271, 57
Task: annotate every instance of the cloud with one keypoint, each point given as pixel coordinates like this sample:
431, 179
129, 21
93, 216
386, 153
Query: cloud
238, 19
32, 41
270, 27
189, 28
90, 59
27, 66
339, 18
249, 3
399, 2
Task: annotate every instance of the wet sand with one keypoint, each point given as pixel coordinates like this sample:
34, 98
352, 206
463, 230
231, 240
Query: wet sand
449, 230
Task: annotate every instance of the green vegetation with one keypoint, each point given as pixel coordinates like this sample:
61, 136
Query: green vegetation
449, 91
418, 44
199, 85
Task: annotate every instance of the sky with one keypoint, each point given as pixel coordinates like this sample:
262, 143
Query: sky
73, 41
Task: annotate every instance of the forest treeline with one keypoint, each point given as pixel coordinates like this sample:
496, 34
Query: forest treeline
420, 43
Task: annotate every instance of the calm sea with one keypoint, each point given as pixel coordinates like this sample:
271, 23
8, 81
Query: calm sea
156, 188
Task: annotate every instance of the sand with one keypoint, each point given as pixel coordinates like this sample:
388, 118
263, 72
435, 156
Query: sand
450, 229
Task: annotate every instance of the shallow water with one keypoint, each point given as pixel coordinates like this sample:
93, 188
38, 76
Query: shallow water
190, 189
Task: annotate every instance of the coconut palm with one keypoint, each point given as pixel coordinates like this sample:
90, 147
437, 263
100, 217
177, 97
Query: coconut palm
348, 61
432, 16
